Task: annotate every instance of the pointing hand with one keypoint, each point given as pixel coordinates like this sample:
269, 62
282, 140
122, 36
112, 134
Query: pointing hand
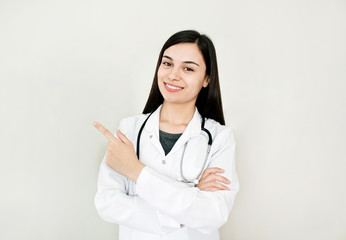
121, 155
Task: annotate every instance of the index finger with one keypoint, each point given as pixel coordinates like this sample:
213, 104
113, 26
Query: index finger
105, 132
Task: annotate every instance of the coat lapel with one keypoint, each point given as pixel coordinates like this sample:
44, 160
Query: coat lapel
152, 127
193, 129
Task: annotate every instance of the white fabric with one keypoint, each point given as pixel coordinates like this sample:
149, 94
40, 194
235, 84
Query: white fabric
159, 206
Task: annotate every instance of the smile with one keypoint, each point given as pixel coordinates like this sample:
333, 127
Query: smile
172, 88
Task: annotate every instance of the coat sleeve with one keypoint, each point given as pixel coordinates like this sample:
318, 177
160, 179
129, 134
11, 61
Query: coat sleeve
114, 204
202, 210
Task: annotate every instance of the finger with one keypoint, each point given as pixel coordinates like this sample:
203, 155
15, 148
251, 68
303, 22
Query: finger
122, 137
214, 181
213, 188
212, 170
217, 177
217, 185
209, 171
105, 132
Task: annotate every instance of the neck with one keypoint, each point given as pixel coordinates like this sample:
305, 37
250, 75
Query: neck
177, 114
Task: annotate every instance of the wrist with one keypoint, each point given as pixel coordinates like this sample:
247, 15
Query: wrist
136, 171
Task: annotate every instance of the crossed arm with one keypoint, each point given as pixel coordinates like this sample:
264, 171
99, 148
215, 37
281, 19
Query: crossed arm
121, 157
167, 205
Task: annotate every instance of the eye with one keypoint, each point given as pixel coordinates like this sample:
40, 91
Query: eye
168, 64
188, 69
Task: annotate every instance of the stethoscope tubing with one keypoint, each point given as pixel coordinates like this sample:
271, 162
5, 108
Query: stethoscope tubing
210, 141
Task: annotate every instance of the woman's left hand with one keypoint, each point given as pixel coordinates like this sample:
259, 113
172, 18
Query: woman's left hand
121, 155
212, 181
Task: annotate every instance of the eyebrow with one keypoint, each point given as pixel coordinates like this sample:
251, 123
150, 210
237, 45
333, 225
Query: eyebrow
189, 62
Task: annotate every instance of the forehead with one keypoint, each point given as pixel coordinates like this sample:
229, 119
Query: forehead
182, 52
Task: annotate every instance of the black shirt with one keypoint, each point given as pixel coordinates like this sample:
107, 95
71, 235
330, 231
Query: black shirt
168, 140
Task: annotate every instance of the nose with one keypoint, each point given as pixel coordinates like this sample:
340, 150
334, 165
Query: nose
174, 74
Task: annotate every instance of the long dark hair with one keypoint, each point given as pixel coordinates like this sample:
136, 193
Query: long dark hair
208, 101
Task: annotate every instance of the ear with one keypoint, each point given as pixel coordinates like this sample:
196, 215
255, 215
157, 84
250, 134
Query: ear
206, 81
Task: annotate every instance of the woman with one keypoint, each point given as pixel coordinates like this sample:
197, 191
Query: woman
160, 197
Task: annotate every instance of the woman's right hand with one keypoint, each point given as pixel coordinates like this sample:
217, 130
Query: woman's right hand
212, 181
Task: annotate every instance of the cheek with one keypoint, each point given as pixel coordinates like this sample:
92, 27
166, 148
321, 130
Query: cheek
160, 73
198, 84
160, 78
198, 89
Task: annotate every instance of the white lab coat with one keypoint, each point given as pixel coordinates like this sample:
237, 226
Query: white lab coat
159, 206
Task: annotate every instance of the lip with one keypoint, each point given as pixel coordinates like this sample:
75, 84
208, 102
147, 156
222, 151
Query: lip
170, 89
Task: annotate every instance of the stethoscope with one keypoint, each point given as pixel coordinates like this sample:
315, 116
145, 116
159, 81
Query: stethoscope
183, 178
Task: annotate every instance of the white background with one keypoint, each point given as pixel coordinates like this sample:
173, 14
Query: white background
65, 64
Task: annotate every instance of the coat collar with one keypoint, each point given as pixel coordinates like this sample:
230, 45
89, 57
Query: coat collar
192, 129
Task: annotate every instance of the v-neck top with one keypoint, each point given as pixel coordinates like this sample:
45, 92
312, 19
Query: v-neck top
168, 140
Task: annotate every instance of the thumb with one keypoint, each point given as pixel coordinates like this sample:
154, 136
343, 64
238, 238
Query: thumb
122, 137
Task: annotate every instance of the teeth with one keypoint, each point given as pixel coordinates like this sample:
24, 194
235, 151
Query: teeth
171, 87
